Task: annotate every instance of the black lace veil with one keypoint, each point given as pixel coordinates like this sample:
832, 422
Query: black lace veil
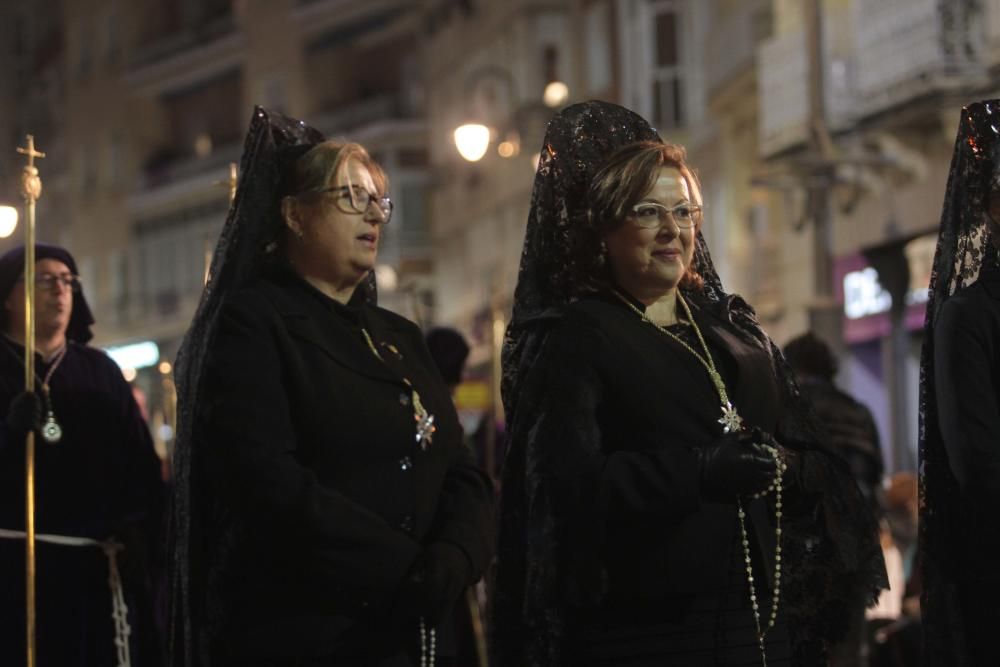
245, 249
964, 248
838, 555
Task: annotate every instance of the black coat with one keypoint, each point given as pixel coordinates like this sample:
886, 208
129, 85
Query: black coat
603, 475
967, 371
321, 499
100, 481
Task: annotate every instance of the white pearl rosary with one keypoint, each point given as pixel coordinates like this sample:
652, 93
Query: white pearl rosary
776, 487
428, 641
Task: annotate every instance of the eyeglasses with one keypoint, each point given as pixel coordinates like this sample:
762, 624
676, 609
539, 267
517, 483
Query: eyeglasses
48, 281
355, 199
650, 214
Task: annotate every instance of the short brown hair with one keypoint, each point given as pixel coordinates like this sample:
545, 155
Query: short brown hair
326, 161
627, 175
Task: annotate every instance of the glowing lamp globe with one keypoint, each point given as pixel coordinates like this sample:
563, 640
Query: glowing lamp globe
8, 221
472, 140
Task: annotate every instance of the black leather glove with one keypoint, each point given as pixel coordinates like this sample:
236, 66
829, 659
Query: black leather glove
734, 465
435, 581
24, 413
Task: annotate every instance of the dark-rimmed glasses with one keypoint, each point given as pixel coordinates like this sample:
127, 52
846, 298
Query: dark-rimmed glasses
651, 214
355, 199
48, 281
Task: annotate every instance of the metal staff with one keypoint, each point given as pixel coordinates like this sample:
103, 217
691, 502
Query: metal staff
31, 190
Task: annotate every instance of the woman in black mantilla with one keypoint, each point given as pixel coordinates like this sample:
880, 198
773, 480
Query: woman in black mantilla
960, 406
326, 510
648, 514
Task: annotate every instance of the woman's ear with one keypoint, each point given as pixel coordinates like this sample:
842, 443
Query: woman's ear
290, 215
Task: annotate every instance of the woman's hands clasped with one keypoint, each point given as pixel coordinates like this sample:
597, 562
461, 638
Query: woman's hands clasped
736, 464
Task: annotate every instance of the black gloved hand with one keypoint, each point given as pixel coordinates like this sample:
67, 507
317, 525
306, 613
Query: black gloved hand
435, 581
734, 465
24, 414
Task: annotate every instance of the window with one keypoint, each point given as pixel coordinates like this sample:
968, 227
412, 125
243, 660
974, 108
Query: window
597, 23
656, 55
112, 39
667, 71
83, 50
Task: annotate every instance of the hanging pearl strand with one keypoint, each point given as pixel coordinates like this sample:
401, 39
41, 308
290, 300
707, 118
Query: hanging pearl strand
428, 645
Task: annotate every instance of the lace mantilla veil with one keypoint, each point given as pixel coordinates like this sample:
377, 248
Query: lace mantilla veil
963, 251
835, 559
245, 249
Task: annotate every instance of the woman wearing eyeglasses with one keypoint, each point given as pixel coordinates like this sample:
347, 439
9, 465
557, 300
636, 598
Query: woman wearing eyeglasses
663, 493
326, 511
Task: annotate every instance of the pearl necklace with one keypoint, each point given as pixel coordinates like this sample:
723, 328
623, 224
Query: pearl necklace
731, 422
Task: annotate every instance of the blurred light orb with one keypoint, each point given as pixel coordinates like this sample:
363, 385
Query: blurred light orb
472, 140
203, 145
129, 373
506, 149
556, 93
8, 221
386, 277
165, 367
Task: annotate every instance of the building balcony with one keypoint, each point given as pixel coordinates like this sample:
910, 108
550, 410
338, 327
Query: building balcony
186, 57
371, 119
783, 76
906, 49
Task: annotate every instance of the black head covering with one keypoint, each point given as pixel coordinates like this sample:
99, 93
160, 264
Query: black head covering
245, 250
836, 561
964, 251
11, 270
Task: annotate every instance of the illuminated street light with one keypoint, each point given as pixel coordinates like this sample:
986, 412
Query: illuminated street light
472, 140
555, 95
8, 221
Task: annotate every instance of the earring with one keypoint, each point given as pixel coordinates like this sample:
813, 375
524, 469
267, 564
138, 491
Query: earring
602, 255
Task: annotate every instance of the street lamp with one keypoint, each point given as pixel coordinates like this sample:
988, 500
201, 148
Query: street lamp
8, 221
556, 93
472, 140
495, 113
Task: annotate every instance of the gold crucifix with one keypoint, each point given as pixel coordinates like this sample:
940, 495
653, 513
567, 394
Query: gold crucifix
31, 184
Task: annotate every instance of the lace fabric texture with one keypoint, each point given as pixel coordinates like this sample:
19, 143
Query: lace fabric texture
833, 559
964, 248
246, 247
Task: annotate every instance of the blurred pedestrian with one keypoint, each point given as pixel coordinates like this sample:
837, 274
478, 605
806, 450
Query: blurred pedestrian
960, 406
848, 422
854, 436
99, 495
449, 351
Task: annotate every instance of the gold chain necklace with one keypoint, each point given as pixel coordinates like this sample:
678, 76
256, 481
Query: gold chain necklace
424, 419
731, 422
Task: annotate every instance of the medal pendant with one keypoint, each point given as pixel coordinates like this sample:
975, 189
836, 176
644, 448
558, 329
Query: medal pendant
51, 431
425, 431
731, 420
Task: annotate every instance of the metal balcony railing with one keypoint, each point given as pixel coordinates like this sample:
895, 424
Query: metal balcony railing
909, 48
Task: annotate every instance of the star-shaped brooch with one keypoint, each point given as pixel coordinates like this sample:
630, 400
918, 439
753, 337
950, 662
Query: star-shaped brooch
731, 421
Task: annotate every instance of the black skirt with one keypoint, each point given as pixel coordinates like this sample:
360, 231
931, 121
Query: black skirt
711, 629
